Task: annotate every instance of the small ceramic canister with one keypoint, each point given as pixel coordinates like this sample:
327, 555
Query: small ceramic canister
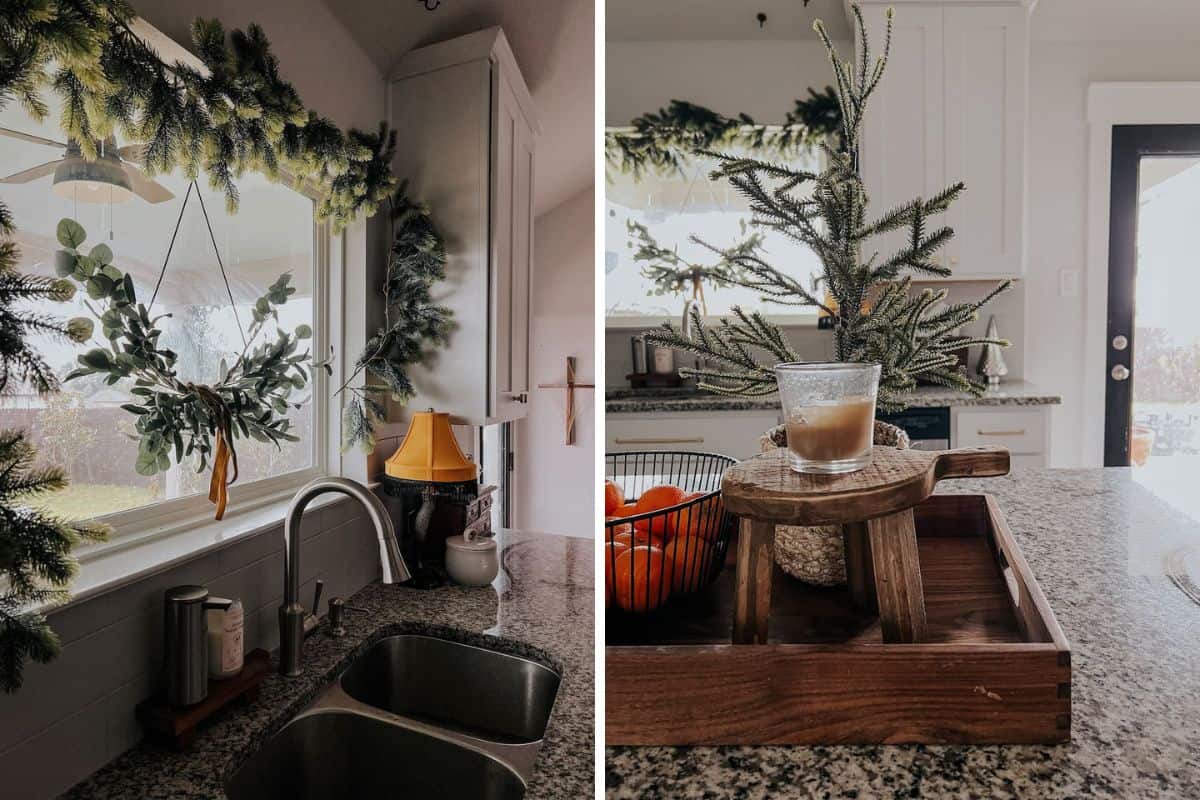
473, 563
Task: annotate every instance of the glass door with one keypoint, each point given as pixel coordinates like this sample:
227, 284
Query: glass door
1153, 395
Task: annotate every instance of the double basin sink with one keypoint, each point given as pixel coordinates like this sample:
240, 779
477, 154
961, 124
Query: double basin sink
414, 717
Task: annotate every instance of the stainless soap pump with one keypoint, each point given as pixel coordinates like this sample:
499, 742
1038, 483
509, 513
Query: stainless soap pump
185, 639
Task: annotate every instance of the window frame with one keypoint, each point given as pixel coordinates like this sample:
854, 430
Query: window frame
628, 322
165, 518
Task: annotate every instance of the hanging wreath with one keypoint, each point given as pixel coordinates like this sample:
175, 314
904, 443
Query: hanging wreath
236, 114
412, 321
661, 141
179, 419
670, 274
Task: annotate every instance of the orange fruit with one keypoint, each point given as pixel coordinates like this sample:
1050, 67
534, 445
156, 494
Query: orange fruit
637, 538
702, 520
613, 530
611, 553
689, 558
657, 498
613, 497
640, 584
625, 510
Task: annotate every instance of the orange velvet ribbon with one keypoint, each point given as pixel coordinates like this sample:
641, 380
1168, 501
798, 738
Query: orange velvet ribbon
225, 456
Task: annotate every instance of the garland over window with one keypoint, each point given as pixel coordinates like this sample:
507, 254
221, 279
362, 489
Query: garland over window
236, 114
661, 141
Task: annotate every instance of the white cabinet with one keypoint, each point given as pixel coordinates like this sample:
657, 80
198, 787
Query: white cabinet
465, 142
730, 433
1024, 431
953, 107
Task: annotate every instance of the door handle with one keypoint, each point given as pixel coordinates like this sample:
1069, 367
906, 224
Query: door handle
1120, 372
1020, 432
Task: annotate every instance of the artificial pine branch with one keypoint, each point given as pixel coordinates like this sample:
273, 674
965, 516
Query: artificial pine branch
35, 546
876, 316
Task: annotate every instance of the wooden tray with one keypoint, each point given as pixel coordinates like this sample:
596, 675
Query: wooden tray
994, 668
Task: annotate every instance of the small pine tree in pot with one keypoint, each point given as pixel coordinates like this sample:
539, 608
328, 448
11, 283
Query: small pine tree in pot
35, 546
878, 316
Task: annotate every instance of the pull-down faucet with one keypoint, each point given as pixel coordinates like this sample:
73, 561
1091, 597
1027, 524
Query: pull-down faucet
294, 622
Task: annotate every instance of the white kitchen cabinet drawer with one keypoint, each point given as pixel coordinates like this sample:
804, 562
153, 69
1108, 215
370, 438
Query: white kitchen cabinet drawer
1023, 432
730, 433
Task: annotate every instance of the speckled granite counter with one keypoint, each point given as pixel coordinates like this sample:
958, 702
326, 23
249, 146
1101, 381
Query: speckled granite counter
1096, 543
540, 607
648, 401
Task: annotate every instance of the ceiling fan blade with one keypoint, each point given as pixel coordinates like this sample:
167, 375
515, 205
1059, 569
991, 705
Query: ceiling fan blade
143, 187
33, 173
29, 137
131, 152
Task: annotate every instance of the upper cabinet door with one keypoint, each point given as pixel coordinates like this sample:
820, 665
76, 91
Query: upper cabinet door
512, 250
986, 52
903, 153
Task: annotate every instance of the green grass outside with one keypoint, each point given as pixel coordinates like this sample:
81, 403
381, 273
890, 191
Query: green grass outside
90, 500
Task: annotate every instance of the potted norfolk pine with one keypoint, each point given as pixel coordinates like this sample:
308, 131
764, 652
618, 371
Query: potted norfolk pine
878, 315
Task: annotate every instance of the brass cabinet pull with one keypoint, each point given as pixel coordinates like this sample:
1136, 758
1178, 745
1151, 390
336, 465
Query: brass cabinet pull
1000, 433
693, 440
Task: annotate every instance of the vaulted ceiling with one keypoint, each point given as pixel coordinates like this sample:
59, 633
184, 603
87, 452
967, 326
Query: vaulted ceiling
553, 41
719, 20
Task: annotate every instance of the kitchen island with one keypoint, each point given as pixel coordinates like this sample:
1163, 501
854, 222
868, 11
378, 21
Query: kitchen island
540, 607
1097, 542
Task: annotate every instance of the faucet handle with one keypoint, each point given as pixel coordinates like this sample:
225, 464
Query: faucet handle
316, 607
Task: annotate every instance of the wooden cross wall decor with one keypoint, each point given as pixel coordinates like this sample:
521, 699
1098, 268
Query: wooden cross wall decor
570, 386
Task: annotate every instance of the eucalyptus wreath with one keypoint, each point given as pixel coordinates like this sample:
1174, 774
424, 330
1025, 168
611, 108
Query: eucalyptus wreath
412, 321
178, 419
235, 114
669, 273
662, 141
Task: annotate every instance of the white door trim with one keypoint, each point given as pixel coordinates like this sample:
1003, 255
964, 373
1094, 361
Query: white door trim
1108, 104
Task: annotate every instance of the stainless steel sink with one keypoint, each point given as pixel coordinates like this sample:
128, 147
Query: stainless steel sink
336, 754
413, 717
478, 692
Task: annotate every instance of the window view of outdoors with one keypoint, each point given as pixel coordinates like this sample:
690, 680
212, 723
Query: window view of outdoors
674, 208
1166, 376
83, 429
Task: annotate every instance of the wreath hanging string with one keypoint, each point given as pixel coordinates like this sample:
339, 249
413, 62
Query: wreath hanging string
183, 418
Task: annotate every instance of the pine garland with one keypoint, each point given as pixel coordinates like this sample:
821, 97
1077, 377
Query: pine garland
661, 141
35, 547
876, 317
239, 116
413, 322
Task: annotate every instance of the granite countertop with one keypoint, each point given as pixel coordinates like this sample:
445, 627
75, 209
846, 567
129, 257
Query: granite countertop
648, 401
540, 607
1096, 541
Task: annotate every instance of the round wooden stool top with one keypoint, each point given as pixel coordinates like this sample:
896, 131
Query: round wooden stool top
765, 488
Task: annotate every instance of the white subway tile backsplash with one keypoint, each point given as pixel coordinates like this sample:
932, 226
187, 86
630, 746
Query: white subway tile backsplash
77, 712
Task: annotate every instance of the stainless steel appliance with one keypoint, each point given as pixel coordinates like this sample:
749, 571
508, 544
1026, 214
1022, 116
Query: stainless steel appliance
928, 428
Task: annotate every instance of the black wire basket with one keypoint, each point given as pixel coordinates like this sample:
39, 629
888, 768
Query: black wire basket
653, 556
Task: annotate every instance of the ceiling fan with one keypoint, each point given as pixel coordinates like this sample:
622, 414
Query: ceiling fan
110, 178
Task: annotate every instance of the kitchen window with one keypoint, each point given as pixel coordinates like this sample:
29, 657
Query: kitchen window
83, 429
673, 208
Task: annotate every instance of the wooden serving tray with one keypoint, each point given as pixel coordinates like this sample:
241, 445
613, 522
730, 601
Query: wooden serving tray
994, 668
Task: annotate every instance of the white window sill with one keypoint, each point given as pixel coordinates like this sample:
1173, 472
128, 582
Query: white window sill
133, 556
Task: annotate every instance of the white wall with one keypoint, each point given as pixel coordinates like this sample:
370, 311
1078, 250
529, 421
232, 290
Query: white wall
554, 481
1060, 73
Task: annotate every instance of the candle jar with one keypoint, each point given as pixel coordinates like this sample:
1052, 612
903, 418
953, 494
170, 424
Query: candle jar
829, 413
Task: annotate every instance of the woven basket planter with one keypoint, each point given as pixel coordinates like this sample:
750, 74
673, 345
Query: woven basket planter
816, 555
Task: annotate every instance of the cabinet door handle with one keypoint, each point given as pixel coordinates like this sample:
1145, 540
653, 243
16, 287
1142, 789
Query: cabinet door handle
521, 397
1020, 432
692, 440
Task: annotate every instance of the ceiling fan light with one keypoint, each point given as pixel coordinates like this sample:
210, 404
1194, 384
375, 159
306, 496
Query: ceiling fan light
99, 181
